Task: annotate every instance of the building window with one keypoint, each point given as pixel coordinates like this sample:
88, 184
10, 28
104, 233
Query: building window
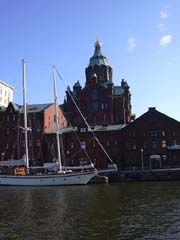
75, 121
107, 143
85, 107
7, 118
104, 106
23, 143
38, 143
164, 144
38, 129
55, 119
1, 90
163, 133
174, 142
94, 144
115, 142
83, 161
154, 144
117, 118
14, 117
164, 157
83, 144
74, 94
83, 130
95, 107
72, 145
153, 133
7, 131
30, 143
134, 146
94, 94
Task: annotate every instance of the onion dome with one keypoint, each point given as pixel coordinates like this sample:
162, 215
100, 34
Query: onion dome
98, 58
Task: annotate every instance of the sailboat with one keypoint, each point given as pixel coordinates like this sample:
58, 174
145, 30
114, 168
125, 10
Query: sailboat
61, 177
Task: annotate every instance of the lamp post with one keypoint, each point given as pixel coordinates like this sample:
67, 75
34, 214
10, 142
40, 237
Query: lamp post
142, 158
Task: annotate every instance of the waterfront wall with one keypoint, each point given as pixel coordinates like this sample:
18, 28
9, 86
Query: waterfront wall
146, 175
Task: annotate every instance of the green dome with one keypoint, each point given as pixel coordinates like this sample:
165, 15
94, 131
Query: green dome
98, 58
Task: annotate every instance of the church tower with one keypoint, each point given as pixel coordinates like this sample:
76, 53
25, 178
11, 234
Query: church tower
99, 67
100, 101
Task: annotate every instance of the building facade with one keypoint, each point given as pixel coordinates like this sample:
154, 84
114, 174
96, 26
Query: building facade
6, 94
41, 120
97, 112
96, 125
100, 101
152, 141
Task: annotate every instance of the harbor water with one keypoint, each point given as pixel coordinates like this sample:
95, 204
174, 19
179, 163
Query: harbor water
132, 210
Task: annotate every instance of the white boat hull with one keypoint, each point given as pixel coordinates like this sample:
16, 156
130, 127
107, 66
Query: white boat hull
47, 180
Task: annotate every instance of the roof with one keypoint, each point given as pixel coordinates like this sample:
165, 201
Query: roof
2, 108
96, 128
37, 107
118, 90
32, 107
17, 107
7, 85
151, 117
113, 127
173, 147
98, 58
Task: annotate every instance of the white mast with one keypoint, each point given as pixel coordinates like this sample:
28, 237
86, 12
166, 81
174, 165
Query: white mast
25, 113
56, 118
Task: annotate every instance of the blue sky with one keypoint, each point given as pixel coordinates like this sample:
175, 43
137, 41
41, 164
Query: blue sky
140, 38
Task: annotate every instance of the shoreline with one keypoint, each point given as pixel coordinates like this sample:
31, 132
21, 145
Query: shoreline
170, 174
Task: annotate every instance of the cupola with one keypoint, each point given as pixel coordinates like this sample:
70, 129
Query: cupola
98, 65
98, 58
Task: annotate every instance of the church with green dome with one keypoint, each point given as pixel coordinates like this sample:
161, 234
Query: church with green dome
100, 101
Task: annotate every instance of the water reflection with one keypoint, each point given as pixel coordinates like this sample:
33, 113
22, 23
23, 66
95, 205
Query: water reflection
115, 211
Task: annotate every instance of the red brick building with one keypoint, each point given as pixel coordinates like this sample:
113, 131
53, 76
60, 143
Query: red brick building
81, 145
151, 141
106, 108
40, 120
100, 101
148, 142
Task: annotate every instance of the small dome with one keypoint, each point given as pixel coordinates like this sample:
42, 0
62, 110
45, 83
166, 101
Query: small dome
98, 58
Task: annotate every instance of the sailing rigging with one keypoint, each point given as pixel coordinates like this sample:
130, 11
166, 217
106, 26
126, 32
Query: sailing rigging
25, 178
113, 166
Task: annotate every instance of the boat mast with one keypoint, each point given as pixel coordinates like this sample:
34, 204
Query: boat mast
25, 113
56, 118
